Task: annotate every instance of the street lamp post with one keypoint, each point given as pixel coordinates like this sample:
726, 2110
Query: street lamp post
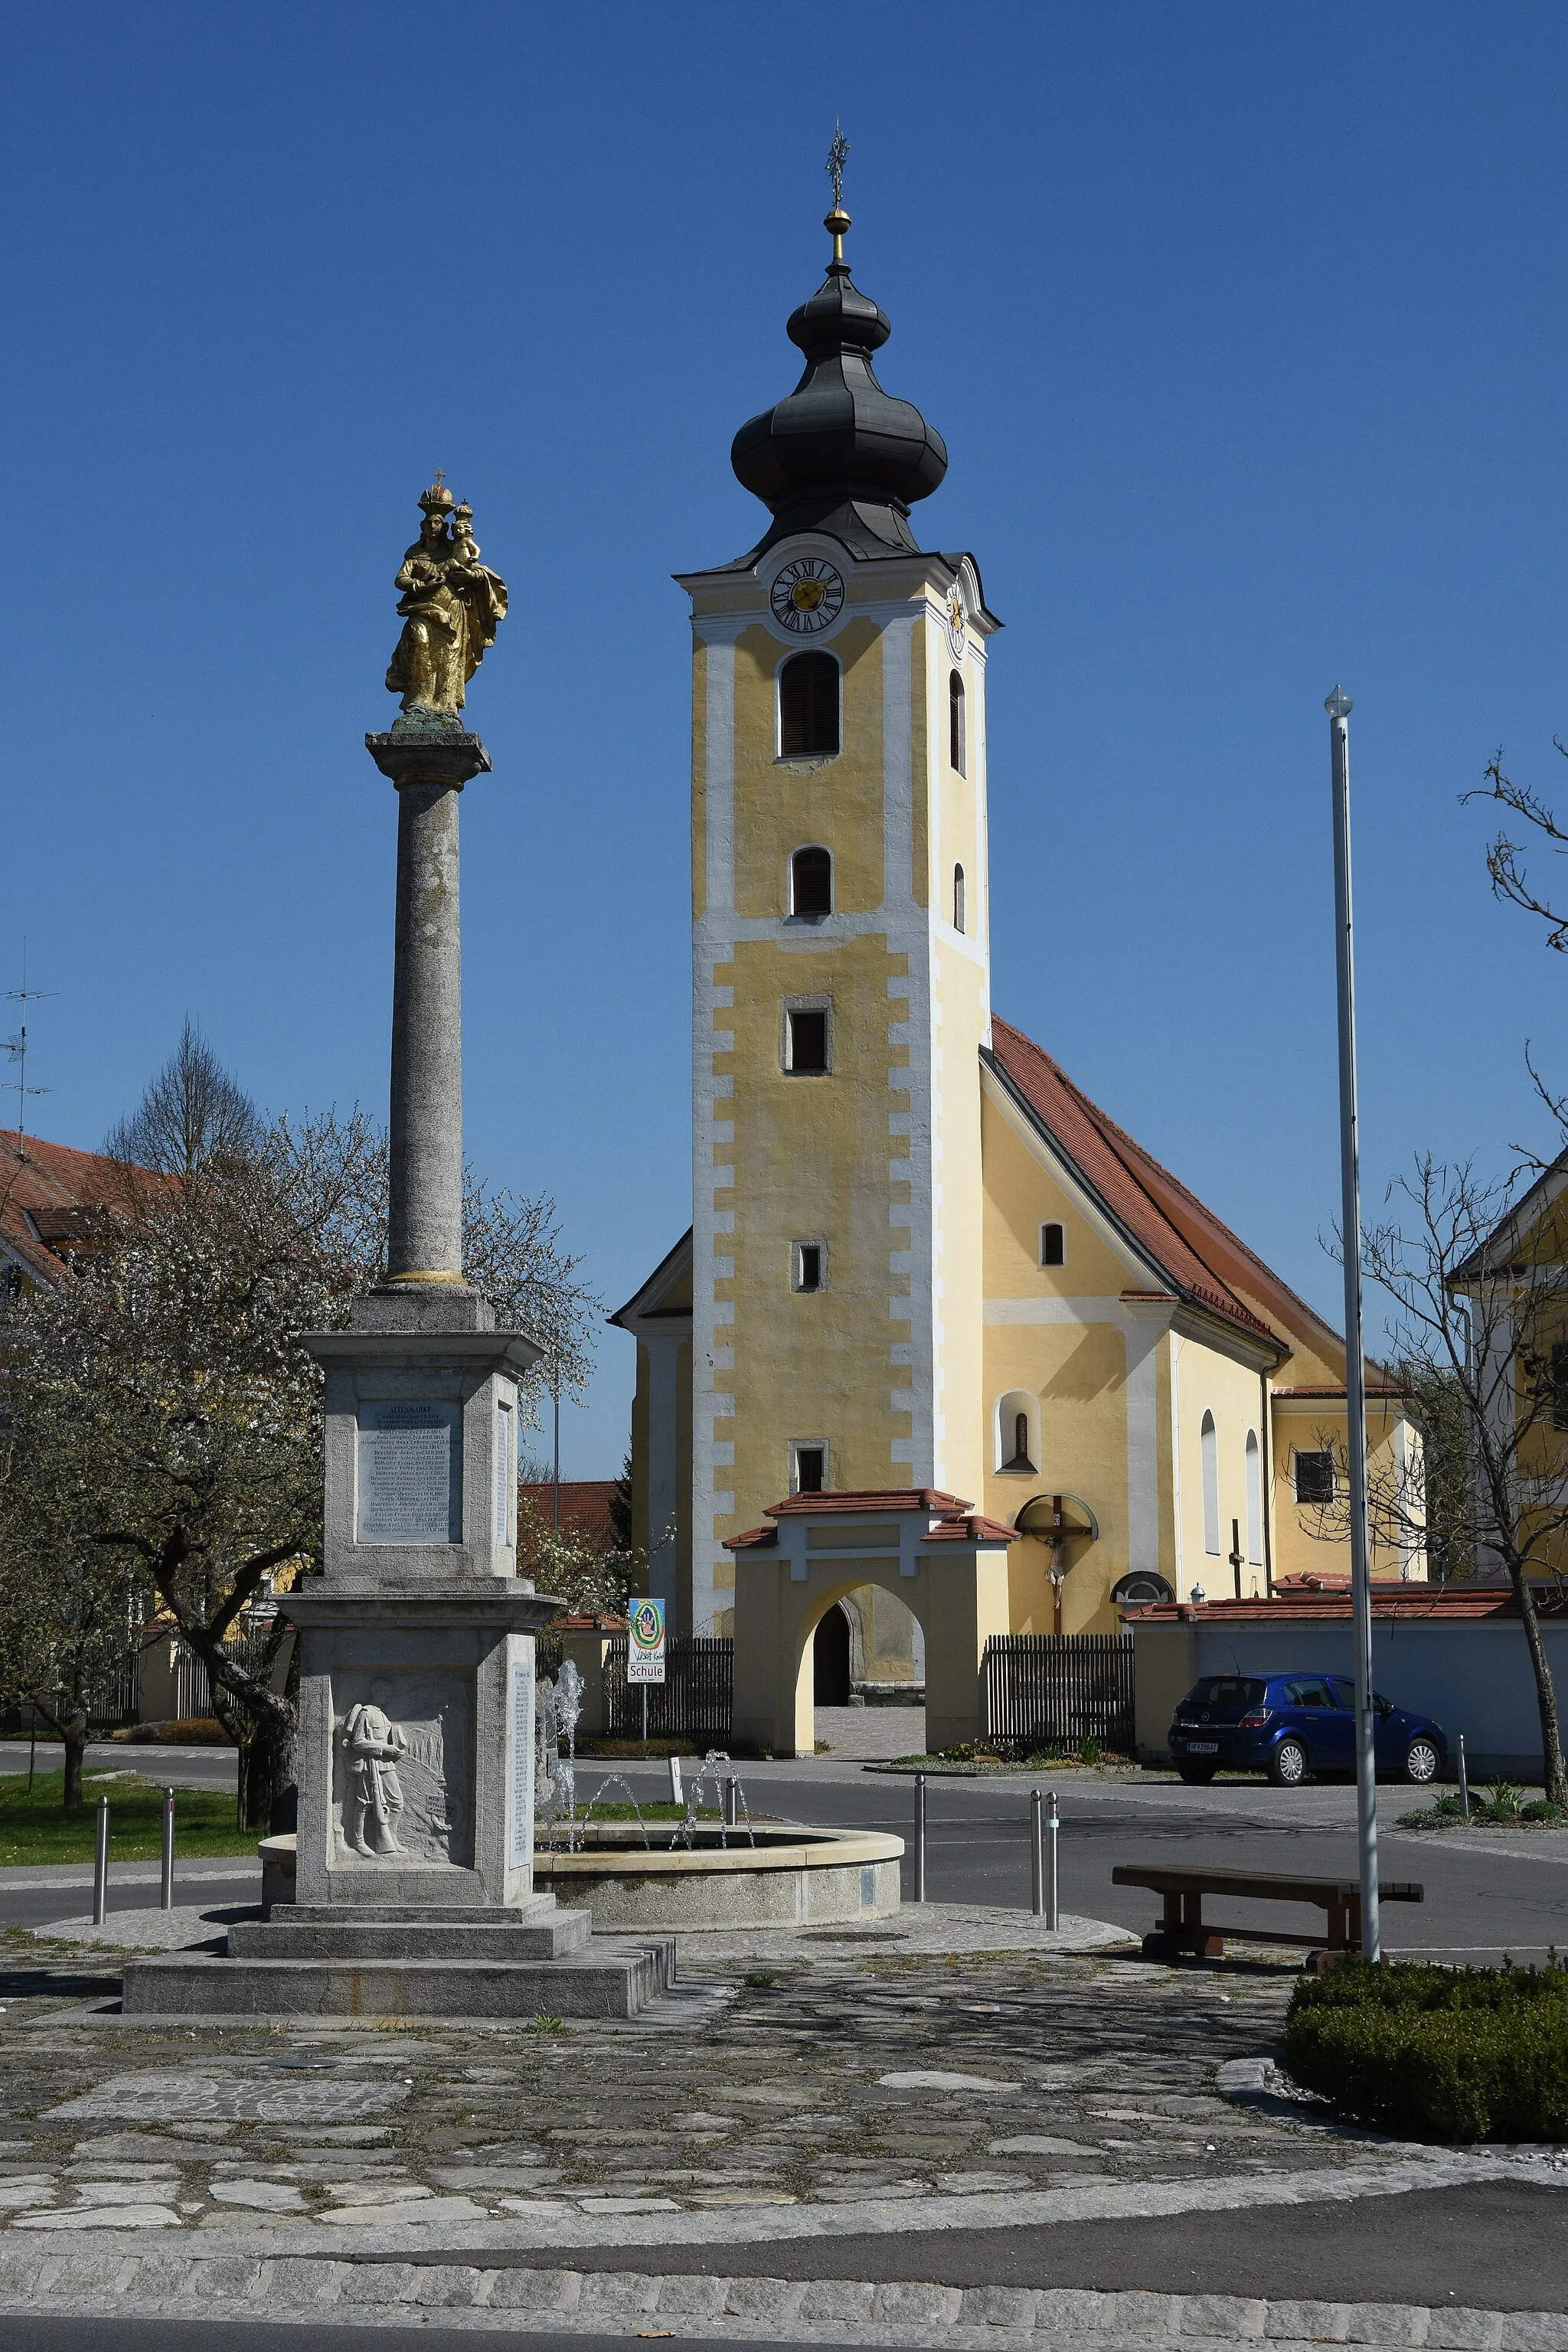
1338, 707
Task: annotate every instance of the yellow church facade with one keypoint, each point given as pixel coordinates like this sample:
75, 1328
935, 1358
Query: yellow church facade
920, 1260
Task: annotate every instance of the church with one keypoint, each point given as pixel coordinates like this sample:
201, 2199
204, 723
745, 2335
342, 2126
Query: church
929, 1283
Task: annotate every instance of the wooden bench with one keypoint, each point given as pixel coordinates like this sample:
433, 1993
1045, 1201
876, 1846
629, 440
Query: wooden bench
1184, 1928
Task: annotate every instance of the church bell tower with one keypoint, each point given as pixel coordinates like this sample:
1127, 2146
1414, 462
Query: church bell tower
841, 963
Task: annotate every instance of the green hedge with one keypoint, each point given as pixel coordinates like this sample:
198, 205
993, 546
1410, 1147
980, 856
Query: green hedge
1436, 2053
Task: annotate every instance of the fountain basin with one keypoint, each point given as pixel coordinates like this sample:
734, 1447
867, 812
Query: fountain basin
792, 1877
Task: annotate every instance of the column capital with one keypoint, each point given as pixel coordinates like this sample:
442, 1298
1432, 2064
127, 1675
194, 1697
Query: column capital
428, 754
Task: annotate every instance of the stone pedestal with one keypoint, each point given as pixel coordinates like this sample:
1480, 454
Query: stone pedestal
413, 1881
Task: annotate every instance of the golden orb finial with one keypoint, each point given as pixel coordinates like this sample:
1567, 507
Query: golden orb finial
837, 220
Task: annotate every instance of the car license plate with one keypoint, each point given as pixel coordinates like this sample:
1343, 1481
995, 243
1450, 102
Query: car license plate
1203, 1748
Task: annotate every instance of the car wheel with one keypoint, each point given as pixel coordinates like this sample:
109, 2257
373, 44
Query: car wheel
1421, 1761
1287, 1765
1199, 1773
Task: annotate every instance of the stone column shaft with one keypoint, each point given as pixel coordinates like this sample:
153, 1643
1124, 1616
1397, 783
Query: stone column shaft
425, 1223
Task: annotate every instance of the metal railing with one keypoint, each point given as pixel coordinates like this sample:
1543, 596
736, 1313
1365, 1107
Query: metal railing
1042, 1690
695, 1700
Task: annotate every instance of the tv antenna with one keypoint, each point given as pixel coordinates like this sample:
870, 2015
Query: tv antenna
17, 1047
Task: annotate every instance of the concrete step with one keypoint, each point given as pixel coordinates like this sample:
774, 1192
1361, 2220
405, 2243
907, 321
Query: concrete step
484, 1936
613, 1978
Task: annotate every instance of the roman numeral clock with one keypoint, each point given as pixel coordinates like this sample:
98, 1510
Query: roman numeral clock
807, 595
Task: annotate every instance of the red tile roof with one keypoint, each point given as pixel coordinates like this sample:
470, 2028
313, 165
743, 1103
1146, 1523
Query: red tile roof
871, 1498
1168, 1224
53, 1200
584, 1505
971, 1527
955, 1522
1323, 1608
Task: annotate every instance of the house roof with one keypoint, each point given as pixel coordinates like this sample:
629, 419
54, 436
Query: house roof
1168, 1226
584, 1505
1513, 1226
54, 1200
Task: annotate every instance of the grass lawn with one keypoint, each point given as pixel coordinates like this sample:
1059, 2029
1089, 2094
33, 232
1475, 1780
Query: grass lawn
38, 1828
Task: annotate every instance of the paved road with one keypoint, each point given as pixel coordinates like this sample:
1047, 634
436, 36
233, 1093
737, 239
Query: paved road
1478, 1900
184, 1768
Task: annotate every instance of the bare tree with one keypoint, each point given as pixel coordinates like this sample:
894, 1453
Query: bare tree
193, 1116
170, 1374
1477, 1277
1505, 857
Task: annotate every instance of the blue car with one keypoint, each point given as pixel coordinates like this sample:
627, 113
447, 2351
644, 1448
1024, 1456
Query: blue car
1291, 1725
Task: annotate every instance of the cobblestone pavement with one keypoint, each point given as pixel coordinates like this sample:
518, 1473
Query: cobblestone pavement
848, 2093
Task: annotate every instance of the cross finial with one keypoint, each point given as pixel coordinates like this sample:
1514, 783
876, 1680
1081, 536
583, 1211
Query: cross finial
834, 164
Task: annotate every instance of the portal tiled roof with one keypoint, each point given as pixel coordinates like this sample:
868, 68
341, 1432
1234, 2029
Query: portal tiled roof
871, 1498
955, 1522
1166, 1222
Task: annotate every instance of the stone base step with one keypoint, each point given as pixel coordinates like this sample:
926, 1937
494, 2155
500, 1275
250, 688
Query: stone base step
553, 1935
615, 1978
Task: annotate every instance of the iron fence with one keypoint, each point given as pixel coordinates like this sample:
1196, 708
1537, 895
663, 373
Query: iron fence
1043, 1690
695, 1701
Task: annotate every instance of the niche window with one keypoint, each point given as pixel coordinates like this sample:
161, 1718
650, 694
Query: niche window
808, 1266
1208, 1446
958, 898
1016, 1455
808, 707
806, 1041
956, 747
1053, 1245
808, 1465
1314, 1477
1253, 1501
811, 881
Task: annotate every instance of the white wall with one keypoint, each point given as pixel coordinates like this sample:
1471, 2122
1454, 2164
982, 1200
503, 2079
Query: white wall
1470, 1677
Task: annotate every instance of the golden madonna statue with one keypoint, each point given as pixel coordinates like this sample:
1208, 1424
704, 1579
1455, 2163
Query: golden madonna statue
452, 605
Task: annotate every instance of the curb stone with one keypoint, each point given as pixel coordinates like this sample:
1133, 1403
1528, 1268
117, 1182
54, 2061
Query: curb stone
907, 2314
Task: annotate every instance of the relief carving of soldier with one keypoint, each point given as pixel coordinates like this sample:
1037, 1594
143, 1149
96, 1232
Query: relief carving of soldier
452, 605
373, 1798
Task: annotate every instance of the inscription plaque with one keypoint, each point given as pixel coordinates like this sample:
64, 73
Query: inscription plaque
408, 1483
505, 1477
521, 1767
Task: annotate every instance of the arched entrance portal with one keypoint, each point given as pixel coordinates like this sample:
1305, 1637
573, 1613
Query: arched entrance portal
830, 1659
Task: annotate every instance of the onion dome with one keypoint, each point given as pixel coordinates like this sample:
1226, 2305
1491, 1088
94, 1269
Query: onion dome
840, 453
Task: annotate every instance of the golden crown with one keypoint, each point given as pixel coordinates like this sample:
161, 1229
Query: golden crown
437, 499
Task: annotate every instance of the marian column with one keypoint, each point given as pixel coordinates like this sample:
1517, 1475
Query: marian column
415, 1754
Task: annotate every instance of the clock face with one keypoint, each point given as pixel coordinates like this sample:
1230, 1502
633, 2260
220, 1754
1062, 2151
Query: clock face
807, 595
955, 622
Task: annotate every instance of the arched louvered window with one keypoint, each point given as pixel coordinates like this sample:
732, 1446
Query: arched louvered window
808, 706
1253, 1501
956, 747
959, 897
811, 881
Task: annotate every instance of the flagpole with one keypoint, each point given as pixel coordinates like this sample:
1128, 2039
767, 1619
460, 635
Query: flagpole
1338, 707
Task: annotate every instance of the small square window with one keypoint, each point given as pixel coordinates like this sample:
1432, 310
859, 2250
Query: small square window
808, 1266
808, 1467
1314, 1477
806, 1042
1053, 1245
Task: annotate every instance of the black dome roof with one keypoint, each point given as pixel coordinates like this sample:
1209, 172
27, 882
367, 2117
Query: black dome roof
839, 442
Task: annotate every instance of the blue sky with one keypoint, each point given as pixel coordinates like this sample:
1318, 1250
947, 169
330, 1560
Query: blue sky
1246, 330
